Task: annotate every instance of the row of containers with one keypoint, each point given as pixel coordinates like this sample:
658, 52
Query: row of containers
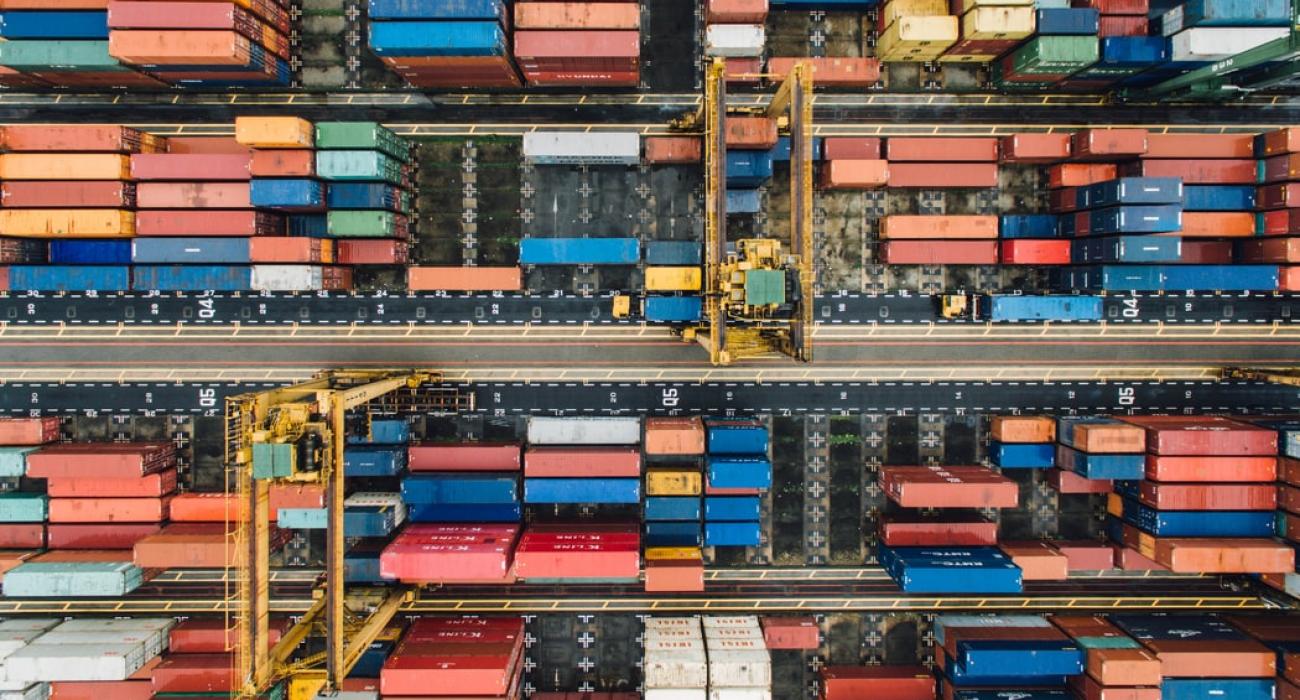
1204, 494
1135, 656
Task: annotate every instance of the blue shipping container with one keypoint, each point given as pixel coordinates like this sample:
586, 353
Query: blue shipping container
740, 473
732, 534
374, 461
673, 309
464, 512
54, 25
308, 226
1224, 278
387, 431
748, 168
730, 436
361, 566
494, 10
952, 570
1071, 21
286, 193
454, 489
437, 39
1217, 689
1023, 455
192, 278
363, 195
89, 252
579, 251
672, 534
731, 508
1090, 466
69, 278
1027, 226
743, 201
372, 659
582, 490
199, 250
673, 252
1209, 628
1236, 13
1133, 51
369, 521
1160, 218
1218, 198
1020, 658
781, 151
1203, 523
1015, 694
672, 508
1021, 307
1134, 249
1133, 190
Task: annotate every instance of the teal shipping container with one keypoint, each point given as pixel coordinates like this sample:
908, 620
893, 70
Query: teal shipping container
71, 579
13, 461
16, 507
358, 165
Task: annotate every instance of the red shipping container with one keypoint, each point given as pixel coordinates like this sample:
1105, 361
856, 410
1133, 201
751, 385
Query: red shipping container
466, 675
1197, 172
1035, 148
207, 223
1081, 174
451, 553
192, 195
108, 510
122, 460
1069, 482
556, 552
467, 457
947, 149
205, 144
751, 132
1278, 196
381, 251
22, 536
1024, 251
97, 536
437, 627
673, 149
198, 635
893, 682
791, 633
64, 194
909, 530
1239, 146
533, 46
1210, 469
281, 162
1270, 250
155, 484
1206, 252
139, 689
214, 507
850, 148
1086, 555
1282, 141
736, 11
839, 71
939, 252
1116, 7
195, 673
940, 175
1122, 25
582, 462
1085, 688
1281, 168
948, 487
1208, 496
23, 432
1282, 222
1207, 555
1204, 435
186, 166
1108, 144
744, 71
297, 496
284, 249
101, 138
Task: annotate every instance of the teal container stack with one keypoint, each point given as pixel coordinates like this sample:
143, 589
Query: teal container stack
367, 171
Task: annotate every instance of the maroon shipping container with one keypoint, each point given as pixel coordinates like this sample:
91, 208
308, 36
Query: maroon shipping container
582, 462
1109, 144
1063, 200
99, 79
947, 149
1278, 196
1282, 222
123, 460
1206, 252
111, 194
193, 195
4, 279
1116, 7
1204, 435
1231, 146
1208, 496
939, 252
1122, 25
381, 251
171, 222
475, 457
1276, 249
1288, 498
23, 250
937, 531
189, 166
1196, 172
22, 536
1282, 168
98, 536
941, 175
850, 148
1035, 148
949, 487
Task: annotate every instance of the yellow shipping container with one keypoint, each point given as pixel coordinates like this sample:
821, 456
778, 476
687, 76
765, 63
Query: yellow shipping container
968, 5
895, 9
923, 36
672, 482
994, 23
968, 58
672, 279
672, 553
274, 132
67, 223
64, 166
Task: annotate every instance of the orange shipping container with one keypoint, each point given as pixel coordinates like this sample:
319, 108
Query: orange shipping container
854, 174
1197, 658
67, 223
1289, 279
674, 436
943, 175
64, 166
192, 195
674, 576
932, 227
1035, 148
736, 11
1108, 144
282, 163
1204, 224
464, 279
1024, 428
79, 138
1221, 556
578, 15
1282, 141
1037, 560
289, 249
1210, 469
108, 510
1200, 146
206, 508
829, 72
1084, 686
946, 149
1081, 174
29, 431
1124, 667
179, 47
187, 546
296, 496
751, 132
673, 149
1109, 439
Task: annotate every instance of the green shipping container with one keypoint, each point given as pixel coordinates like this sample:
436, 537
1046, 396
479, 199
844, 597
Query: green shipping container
357, 166
362, 135
1055, 55
764, 287
13, 461
18, 507
1107, 643
67, 579
361, 223
60, 55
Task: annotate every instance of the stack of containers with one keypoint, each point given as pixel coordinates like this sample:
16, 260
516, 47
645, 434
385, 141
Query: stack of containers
1121, 18
675, 255
426, 553
225, 45
912, 30
456, 657
586, 44
738, 470
366, 170
71, 184
745, 20
748, 135
444, 45
1094, 451
610, 432
495, 464
89, 650
1278, 204
1119, 58
22, 437
198, 660
1005, 652
1203, 656
1211, 508
674, 663
1280, 634
579, 553
1216, 171
1117, 666
1050, 56
18, 633
64, 45
1023, 442
934, 240
1114, 221
932, 566
1032, 239
1288, 497
853, 163
740, 666
1205, 31
990, 29
672, 504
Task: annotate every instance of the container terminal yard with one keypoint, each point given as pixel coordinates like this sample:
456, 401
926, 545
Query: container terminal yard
671, 350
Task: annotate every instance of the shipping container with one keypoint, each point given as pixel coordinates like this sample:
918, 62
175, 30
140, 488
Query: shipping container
1035, 252
578, 251
464, 279
854, 174
575, 148
835, 72
673, 149
944, 529
938, 227
734, 40
943, 175
951, 570
679, 309
437, 38
948, 487
939, 252
103, 194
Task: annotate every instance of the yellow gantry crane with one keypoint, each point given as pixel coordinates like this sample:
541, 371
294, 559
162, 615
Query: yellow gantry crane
747, 310
296, 434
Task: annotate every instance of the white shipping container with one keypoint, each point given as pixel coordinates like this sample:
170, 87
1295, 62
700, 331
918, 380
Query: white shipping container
675, 669
735, 40
24, 624
732, 633
75, 662
13, 641
1171, 22
660, 623
745, 668
740, 694
153, 642
31, 691
584, 431
287, 278
581, 147
735, 644
662, 644
675, 694
1217, 43
160, 627
731, 621
379, 499
674, 633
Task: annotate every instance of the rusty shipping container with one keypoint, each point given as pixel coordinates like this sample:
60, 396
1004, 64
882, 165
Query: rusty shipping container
941, 149
939, 252
901, 226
